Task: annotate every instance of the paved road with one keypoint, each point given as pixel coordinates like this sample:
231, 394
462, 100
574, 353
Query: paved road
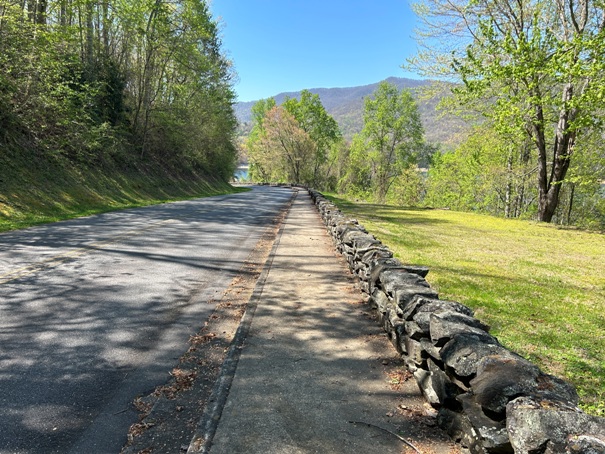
95, 311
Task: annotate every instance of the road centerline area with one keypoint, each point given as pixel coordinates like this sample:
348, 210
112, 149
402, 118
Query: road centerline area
60, 258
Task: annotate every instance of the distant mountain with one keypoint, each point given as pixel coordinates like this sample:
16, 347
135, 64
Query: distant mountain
346, 106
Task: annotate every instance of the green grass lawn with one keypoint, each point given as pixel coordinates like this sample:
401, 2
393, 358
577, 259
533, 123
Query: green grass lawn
541, 289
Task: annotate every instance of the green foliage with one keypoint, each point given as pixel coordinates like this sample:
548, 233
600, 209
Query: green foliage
535, 69
408, 189
583, 193
34, 192
388, 145
284, 150
483, 174
142, 83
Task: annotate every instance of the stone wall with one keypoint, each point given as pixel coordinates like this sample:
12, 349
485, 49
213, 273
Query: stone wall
488, 398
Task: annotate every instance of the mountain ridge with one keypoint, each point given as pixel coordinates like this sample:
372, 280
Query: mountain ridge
345, 104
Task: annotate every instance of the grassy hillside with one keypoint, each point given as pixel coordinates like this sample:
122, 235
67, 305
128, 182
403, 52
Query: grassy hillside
541, 289
36, 190
346, 106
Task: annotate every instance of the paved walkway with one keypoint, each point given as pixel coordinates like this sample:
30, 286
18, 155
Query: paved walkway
316, 373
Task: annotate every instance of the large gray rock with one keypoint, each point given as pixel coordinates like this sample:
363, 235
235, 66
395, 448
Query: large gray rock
436, 387
414, 351
459, 427
351, 235
546, 427
399, 284
396, 333
424, 379
414, 331
492, 434
384, 320
462, 353
393, 278
446, 324
501, 379
404, 294
348, 227
433, 351
423, 304
423, 318
363, 243
381, 252
378, 265
443, 387
335, 218
364, 287
362, 268
420, 270
379, 301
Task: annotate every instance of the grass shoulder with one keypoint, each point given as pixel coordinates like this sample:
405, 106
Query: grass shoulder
541, 289
40, 192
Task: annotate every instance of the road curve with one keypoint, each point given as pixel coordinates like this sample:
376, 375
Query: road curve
95, 311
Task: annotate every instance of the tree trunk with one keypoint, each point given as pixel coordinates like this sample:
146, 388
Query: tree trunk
41, 12
564, 141
90, 54
509, 186
547, 203
32, 8
571, 196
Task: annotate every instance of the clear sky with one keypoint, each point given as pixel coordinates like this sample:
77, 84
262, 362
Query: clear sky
287, 45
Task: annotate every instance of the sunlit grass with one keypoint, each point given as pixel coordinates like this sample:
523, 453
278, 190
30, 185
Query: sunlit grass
540, 288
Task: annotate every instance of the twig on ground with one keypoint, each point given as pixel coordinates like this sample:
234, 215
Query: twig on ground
388, 431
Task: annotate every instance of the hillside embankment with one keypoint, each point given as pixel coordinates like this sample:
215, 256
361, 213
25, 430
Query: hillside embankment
37, 189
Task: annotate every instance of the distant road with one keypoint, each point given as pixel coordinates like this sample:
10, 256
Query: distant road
96, 311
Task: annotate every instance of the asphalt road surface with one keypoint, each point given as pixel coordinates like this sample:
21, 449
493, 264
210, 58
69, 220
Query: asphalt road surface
96, 311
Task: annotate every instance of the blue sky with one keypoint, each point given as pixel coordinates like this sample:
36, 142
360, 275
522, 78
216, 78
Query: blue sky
287, 45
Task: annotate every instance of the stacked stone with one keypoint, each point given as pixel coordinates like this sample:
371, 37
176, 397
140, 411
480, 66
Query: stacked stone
488, 398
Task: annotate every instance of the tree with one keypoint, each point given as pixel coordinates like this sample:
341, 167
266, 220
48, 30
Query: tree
294, 142
536, 68
283, 151
260, 164
583, 198
322, 129
391, 136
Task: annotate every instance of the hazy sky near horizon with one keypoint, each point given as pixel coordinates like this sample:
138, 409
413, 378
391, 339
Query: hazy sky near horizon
287, 45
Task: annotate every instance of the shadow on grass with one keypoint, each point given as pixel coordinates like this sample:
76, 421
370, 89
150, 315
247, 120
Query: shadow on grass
386, 213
